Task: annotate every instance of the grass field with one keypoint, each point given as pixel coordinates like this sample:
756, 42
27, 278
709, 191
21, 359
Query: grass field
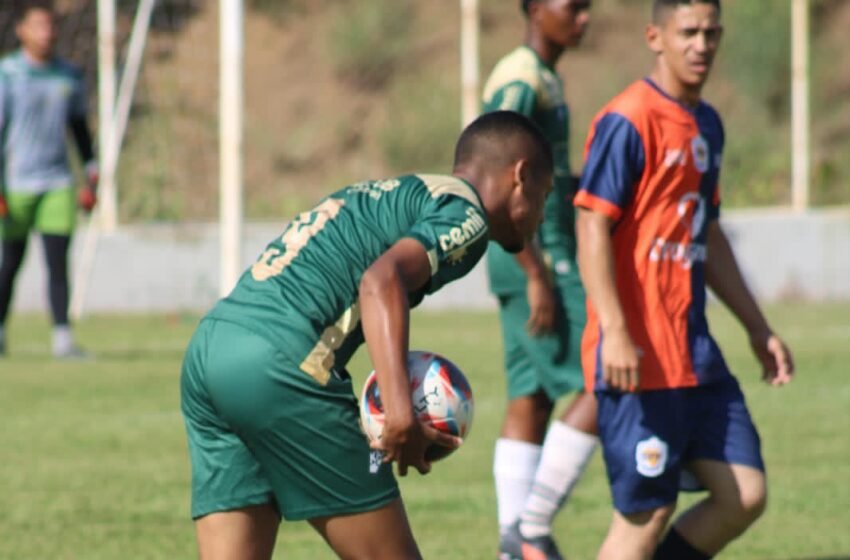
93, 462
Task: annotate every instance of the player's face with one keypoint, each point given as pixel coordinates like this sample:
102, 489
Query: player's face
37, 33
525, 208
563, 21
687, 41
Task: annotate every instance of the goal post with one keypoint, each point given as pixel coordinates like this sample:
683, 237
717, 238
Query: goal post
469, 60
114, 103
231, 100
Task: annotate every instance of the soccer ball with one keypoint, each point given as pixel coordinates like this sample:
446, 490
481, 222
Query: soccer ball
441, 398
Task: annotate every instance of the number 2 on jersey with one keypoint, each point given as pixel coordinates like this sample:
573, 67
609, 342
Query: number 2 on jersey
272, 262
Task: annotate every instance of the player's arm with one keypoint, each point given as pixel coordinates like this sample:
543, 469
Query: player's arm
4, 209
614, 162
724, 277
539, 290
598, 274
385, 316
78, 124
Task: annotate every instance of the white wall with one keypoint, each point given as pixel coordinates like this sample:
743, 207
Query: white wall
175, 267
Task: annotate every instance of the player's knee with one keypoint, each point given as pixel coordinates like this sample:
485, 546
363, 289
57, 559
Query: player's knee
744, 508
753, 502
641, 531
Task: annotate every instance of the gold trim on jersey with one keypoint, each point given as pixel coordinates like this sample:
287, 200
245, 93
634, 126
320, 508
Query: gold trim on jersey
321, 358
438, 185
433, 261
523, 65
520, 65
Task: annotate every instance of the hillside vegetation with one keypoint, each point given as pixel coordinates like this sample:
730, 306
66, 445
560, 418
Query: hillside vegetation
344, 90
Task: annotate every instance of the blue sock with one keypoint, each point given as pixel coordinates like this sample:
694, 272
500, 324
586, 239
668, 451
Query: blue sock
674, 547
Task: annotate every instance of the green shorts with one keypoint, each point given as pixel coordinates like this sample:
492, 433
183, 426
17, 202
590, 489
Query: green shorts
552, 362
52, 212
261, 431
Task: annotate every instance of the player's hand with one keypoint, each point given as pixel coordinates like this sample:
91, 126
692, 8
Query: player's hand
541, 303
87, 198
776, 360
620, 360
406, 444
92, 175
4, 208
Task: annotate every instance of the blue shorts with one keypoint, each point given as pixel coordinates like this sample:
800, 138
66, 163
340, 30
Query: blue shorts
647, 438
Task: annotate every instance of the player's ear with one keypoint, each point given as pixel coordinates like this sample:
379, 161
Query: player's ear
653, 37
520, 172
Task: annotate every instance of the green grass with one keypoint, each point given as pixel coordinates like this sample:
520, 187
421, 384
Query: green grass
93, 462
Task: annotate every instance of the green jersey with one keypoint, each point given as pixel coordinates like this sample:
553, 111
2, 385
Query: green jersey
302, 293
523, 83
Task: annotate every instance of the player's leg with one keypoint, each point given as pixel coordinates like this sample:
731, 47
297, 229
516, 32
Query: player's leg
634, 536
307, 438
55, 219
643, 436
232, 501
518, 449
247, 533
567, 450
737, 497
15, 232
56, 255
381, 534
728, 463
570, 439
13, 256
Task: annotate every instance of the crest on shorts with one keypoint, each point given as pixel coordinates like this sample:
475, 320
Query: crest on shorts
375, 460
651, 456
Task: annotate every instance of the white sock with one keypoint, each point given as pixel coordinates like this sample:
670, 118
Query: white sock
566, 452
514, 465
63, 340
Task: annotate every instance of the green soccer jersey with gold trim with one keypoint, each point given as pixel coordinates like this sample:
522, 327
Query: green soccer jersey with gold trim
523, 83
302, 293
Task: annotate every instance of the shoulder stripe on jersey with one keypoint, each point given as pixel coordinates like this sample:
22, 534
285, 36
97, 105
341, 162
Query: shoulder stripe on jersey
519, 66
584, 199
439, 185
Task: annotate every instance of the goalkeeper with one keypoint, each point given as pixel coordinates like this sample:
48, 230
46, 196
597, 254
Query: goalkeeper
41, 98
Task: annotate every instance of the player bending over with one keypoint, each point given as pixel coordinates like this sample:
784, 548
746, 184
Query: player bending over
271, 418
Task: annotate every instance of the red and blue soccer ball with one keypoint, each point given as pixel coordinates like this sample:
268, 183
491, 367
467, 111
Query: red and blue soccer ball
441, 397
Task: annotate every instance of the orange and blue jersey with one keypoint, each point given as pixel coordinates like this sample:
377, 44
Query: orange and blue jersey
652, 166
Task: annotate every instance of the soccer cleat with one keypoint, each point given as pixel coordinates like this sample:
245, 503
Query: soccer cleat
510, 544
540, 548
514, 546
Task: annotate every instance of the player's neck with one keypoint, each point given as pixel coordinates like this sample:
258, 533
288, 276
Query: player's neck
685, 94
546, 50
35, 58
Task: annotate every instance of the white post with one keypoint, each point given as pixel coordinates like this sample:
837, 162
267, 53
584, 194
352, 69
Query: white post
112, 135
469, 71
132, 66
800, 105
106, 80
230, 141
